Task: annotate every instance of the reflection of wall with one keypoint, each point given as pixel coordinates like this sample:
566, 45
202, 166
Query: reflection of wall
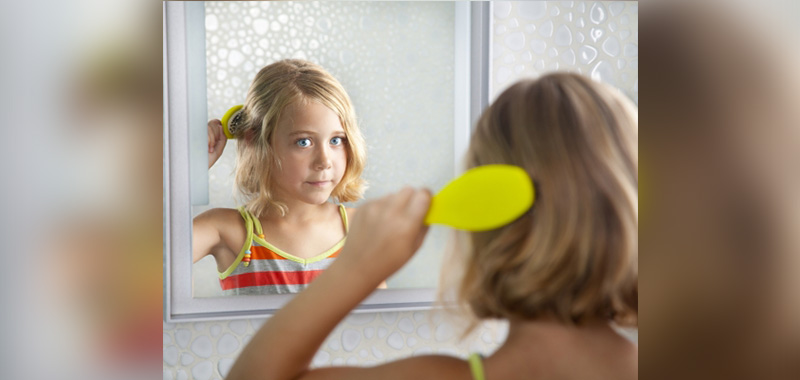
394, 59
206, 350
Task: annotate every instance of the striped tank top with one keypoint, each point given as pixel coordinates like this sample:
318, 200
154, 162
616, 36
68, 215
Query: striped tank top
261, 268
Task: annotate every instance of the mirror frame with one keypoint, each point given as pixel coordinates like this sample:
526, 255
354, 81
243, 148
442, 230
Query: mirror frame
182, 22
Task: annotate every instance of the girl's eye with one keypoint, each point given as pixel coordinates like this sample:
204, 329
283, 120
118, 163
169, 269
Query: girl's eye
303, 143
337, 141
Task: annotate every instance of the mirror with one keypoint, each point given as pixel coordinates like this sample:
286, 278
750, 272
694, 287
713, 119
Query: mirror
394, 59
405, 66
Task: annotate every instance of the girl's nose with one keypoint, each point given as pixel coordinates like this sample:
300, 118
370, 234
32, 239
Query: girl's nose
323, 160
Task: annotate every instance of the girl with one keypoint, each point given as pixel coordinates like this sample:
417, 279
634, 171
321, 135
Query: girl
298, 146
561, 274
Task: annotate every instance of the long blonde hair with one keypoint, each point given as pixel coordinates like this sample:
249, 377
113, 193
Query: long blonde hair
574, 255
274, 88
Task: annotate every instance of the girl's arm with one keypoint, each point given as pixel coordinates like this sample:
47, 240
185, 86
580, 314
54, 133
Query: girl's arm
206, 238
351, 213
383, 237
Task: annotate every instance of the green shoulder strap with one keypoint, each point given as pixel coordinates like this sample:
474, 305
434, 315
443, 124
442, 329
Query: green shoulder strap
476, 366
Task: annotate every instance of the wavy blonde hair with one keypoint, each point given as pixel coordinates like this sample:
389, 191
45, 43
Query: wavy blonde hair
574, 255
274, 88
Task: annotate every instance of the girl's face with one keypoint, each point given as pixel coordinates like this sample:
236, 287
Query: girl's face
311, 144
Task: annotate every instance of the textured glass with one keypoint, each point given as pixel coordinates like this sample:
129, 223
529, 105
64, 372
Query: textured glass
395, 60
598, 39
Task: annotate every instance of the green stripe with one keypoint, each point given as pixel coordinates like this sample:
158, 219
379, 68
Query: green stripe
248, 223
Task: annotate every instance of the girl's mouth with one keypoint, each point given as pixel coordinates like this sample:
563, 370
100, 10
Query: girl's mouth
319, 183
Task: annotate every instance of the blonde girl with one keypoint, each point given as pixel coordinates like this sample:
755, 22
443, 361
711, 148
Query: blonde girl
562, 274
298, 147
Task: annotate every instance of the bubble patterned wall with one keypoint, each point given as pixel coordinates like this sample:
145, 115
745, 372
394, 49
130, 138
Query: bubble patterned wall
597, 39
207, 350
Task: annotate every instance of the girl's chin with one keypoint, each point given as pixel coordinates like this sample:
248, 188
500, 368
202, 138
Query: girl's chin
318, 199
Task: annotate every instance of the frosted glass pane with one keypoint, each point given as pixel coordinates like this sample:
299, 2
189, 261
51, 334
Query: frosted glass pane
599, 39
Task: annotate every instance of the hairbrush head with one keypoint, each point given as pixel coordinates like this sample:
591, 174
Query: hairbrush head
231, 121
483, 198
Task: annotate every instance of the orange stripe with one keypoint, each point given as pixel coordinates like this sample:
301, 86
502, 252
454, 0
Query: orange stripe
263, 253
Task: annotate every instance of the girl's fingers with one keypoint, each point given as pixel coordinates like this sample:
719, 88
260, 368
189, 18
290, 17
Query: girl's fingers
216, 141
210, 140
402, 199
220, 144
417, 210
219, 130
216, 136
212, 135
419, 204
413, 204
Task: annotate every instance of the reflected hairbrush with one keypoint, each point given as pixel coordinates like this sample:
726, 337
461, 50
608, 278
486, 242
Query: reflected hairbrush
231, 121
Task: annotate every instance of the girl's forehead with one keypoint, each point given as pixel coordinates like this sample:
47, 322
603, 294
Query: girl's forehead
310, 115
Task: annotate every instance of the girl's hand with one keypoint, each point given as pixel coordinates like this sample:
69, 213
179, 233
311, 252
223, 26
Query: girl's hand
216, 141
387, 232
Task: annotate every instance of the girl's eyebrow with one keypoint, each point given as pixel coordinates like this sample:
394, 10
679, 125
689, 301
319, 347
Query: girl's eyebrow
304, 132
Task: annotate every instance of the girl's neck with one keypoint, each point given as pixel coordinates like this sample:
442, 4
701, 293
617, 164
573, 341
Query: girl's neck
546, 325
550, 329
299, 212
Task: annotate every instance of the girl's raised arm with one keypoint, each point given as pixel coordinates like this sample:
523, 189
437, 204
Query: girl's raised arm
205, 234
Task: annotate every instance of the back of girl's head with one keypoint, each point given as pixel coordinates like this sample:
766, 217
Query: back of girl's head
274, 89
574, 255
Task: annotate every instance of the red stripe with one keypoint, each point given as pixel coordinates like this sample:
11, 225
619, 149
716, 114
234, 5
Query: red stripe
269, 278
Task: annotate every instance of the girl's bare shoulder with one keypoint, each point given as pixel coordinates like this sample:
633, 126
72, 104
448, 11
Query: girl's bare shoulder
351, 212
219, 214
228, 222
223, 219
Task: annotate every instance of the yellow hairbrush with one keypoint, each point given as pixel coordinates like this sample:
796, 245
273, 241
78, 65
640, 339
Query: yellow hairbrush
483, 198
231, 120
